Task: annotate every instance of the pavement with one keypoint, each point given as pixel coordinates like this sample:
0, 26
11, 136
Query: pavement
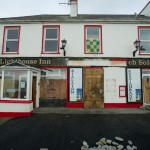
45, 110
4, 120
91, 111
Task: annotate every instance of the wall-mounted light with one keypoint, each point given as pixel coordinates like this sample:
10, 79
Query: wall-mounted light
63, 46
137, 46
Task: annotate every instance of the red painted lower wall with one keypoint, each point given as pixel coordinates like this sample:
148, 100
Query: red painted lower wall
14, 114
74, 105
107, 105
122, 105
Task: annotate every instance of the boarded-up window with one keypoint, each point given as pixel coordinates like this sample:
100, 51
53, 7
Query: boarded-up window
51, 88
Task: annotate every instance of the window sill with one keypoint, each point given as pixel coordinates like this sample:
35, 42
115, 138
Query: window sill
9, 53
15, 101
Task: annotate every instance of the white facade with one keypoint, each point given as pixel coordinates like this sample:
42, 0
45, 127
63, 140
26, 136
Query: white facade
113, 57
117, 40
113, 78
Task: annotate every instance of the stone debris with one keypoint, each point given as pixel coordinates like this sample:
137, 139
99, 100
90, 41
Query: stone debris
85, 146
145, 107
108, 144
130, 142
119, 139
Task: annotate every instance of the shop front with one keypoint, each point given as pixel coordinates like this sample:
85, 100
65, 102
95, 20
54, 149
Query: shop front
86, 87
19, 89
28, 83
138, 77
105, 83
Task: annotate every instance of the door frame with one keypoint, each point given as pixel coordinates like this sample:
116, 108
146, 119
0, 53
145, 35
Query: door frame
94, 67
144, 75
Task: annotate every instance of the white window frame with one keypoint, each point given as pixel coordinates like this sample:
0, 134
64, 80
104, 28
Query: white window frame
99, 37
51, 39
145, 41
6, 30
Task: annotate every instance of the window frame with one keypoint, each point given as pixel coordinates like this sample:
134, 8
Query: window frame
139, 28
100, 38
43, 38
6, 28
13, 82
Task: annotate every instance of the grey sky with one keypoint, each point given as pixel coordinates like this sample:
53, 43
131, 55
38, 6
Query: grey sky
37, 7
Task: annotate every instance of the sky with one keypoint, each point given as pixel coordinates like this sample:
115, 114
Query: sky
15, 8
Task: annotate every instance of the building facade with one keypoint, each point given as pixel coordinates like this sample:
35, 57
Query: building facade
99, 67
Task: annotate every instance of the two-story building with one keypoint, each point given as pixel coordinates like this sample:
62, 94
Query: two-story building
74, 61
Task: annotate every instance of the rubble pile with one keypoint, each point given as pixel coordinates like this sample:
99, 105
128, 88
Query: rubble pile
108, 144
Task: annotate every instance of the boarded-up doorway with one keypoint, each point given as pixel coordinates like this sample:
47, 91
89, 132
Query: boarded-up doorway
146, 90
93, 88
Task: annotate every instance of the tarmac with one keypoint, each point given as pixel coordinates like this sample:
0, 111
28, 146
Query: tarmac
67, 128
91, 111
46, 110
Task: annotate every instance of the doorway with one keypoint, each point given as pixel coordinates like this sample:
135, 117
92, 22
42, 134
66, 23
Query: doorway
146, 89
93, 88
34, 80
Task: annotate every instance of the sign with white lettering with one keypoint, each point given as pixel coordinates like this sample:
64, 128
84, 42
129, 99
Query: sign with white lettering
134, 85
143, 62
75, 84
34, 61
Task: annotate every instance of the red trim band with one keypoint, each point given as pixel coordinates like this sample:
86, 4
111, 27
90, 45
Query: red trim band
122, 105
14, 114
17, 101
74, 105
106, 105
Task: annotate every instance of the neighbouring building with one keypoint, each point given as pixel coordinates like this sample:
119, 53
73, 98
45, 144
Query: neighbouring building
74, 61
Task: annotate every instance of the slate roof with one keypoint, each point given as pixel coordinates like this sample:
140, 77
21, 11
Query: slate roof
78, 19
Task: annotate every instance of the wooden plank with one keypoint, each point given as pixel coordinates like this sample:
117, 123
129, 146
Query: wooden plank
93, 84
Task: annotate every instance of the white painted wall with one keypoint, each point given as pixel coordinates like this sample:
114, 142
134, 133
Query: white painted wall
113, 78
117, 40
16, 107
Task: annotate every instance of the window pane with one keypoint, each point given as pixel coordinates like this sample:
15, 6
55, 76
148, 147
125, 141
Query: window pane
11, 46
12, 34
51, 33
92, 32
146, 46
15, 84
51, 46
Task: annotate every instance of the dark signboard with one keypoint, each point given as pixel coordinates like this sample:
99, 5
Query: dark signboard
34, 61
143, 62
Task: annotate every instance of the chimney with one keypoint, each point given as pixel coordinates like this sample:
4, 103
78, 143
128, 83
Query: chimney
73, 8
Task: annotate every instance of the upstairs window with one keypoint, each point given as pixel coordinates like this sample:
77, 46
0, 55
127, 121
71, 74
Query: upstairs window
11, 40
50, 39
93, 39
144, 36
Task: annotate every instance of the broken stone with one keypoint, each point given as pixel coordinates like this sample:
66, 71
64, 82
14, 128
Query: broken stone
108, 141
130, 142
99, 143
103, 140
134, 147
84, 148
120, 147
85, 143
129, 147
119, 139
115, 143
109, 145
